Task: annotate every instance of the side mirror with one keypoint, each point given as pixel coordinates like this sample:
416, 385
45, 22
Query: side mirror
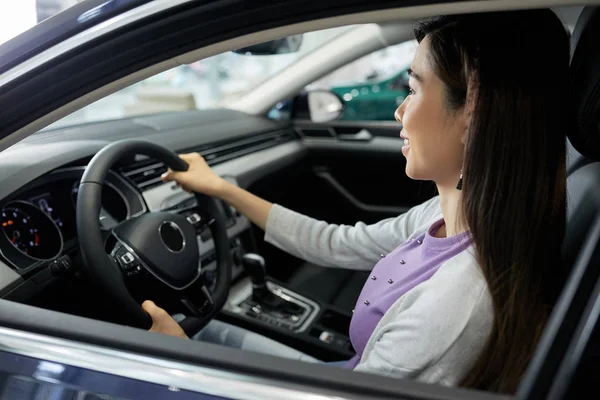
318, 106
290, 44
324, 106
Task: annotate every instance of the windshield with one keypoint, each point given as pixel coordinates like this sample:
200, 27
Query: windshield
210, 83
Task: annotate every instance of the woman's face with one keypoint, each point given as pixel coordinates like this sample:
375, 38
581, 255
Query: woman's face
433, 134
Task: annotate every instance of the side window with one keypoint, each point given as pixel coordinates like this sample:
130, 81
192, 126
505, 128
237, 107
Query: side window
373, 86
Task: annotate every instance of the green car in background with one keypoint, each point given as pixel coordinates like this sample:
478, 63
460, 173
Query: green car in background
374, 100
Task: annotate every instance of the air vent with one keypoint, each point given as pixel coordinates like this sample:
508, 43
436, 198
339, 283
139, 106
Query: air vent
145, 172
216, 153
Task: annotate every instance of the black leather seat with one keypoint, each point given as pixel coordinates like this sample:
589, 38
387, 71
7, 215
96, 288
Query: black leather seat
567, 358
583, 182
575, 160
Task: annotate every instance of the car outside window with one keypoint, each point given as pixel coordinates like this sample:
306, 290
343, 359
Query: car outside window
373, 86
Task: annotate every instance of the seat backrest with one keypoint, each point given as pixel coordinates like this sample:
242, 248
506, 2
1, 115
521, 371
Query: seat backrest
553, 365
583, 208
575, 160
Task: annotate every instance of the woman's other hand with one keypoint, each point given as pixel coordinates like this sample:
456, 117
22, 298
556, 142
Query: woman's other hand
162, 322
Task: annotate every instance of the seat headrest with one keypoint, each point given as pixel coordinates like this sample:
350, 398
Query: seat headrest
584, 99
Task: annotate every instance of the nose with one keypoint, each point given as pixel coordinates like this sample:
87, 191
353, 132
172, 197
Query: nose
400, 111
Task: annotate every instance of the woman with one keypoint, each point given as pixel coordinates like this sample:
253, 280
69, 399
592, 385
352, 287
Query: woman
463, 292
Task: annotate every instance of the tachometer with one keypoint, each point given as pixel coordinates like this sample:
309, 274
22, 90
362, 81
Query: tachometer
30, 231
20, 230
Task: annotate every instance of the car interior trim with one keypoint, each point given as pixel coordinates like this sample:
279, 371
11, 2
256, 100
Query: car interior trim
381, 145
9, 279
150, 369
88, 35
579, 344
342, 191
243, 290
116, 189
251, 167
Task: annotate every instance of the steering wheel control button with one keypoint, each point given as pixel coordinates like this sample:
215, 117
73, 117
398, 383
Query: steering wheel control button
127, 258
134, 271
61, 266
194, 219
172, 236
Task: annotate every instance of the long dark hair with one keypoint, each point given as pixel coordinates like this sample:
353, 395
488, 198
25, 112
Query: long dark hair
513, 67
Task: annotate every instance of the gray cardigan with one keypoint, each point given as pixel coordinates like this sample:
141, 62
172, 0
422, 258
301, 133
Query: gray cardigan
434, 332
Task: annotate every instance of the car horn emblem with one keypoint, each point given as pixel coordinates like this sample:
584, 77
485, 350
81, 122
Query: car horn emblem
172, 236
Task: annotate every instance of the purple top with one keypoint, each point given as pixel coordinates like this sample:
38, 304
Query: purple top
410, 264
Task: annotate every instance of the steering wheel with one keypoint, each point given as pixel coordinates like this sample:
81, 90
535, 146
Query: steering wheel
157, 245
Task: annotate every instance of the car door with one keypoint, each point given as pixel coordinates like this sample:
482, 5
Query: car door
80, 358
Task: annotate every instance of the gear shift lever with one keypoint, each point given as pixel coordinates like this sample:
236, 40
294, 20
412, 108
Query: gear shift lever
271, 304
255, 267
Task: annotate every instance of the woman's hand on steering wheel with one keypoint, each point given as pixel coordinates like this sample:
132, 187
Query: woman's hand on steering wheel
162, 322
199, 177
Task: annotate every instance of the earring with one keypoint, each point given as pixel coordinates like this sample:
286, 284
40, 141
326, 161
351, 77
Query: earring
459, 186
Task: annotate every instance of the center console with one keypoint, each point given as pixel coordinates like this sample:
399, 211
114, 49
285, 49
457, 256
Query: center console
280, 308
269, 308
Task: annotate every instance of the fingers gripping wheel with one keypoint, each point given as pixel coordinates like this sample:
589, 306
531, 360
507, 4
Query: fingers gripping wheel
159, 244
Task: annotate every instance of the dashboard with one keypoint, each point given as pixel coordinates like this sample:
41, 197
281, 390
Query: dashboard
39, 182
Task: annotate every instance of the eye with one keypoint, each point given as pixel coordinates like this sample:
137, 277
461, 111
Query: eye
410, 91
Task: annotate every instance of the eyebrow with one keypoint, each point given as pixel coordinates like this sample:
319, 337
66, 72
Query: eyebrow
414, 75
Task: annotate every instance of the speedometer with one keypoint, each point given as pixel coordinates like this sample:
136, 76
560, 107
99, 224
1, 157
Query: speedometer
29, 231
20, 230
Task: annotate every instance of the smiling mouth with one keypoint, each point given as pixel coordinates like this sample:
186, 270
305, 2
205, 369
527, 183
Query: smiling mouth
406, 147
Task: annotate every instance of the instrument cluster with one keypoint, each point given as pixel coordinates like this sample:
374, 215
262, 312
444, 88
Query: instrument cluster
39, 222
